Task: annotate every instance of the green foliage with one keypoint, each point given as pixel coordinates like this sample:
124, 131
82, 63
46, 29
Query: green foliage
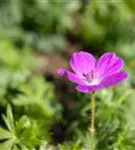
21, 134
15, 66
32, 99
114, 119
110, 24
30, 22
40, 105
30, 131
12, 58
69, 146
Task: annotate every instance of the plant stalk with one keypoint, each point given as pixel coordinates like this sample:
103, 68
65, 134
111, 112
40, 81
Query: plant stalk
92, 127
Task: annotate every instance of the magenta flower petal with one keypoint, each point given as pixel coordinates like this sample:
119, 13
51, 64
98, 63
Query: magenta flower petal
86, 89
82, 62
109, 64
61, 72
113, 79
71, 76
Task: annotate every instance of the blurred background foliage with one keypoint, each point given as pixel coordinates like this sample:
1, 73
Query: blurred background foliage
41, 111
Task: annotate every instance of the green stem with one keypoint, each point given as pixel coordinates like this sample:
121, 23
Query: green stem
92, 127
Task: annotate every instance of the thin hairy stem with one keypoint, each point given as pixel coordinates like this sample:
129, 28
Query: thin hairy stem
92, 127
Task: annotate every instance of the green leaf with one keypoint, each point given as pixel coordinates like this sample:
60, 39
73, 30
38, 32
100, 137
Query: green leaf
7, 145
4, 134
9, 120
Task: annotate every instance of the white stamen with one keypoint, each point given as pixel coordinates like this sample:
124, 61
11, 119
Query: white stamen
91, 78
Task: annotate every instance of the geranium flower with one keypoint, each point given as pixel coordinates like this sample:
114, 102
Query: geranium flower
91, 74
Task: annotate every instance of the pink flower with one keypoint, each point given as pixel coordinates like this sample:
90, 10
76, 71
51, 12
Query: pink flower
91, 74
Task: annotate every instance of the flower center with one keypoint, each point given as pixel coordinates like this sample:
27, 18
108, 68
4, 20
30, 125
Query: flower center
91, 78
